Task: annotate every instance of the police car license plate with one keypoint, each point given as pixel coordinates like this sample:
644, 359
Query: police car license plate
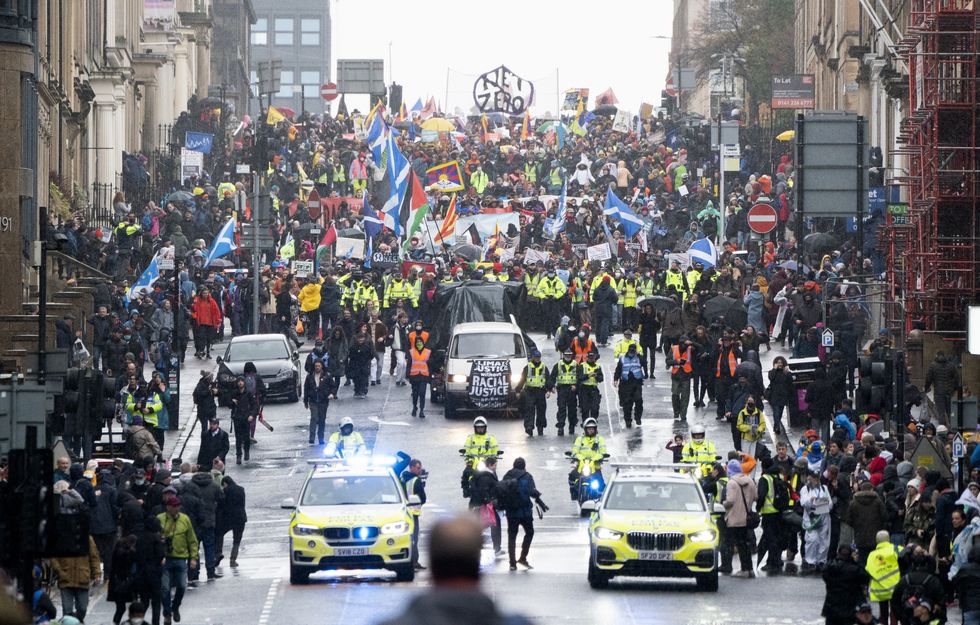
655, 555
350, 551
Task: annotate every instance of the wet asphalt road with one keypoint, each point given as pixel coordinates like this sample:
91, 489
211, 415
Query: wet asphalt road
555, 591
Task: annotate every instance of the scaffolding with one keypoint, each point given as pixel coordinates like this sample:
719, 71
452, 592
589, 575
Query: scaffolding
933, 259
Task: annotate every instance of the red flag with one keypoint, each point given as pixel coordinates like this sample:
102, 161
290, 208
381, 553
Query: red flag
330, 236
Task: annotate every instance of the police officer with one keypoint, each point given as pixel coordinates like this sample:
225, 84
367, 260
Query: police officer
699, 450
623, 344
413, 480
589, 447
345, 443
628, 378
551, 290
479, 444
589, 378
534, 385
564, 377
674, 279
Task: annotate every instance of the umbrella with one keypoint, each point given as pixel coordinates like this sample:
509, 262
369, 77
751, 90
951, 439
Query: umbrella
351, 233
550, 125
660, 303
403, 125
605, 109
468, 251
786, 135
180, 196
285, 110
792, 265
221, 263
820, 242
723, 308
438, 124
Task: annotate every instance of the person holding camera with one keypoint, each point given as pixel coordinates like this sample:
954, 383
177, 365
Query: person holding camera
180, 546
515, 492
413, 480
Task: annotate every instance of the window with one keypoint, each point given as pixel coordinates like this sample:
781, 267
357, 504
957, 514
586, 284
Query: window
259, 35
311, 84
310, 31
242, 351
285, 84
253, 82
284, 31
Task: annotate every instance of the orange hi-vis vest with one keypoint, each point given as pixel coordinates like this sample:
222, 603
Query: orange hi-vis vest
686, 367
731, 363
420, 362
581, 352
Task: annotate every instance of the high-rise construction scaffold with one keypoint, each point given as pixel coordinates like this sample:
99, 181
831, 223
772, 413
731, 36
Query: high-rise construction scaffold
934, 258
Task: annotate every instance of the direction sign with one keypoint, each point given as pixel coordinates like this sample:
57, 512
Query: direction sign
827, 338
731, 150
328, 91
959, 446
762, 218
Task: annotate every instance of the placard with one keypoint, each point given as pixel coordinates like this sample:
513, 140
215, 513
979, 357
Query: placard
623, 122
534, 256
384, 260
599, 252
502, 91
191, 164
489, 385
302, 268
349, 248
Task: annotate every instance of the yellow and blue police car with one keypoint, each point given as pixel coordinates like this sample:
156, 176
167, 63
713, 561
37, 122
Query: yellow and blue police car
351, 515
653, 521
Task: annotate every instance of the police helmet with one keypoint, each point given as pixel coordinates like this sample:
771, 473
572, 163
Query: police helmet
479, 422
568, 352
590, 423
346, 425
697, 430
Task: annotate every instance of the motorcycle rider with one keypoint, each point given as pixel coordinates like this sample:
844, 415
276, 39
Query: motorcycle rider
589, 449
345, 443
478, 447
564, 376
699, 450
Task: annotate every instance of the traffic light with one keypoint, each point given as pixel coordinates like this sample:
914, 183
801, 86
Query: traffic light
874, 394
395, 97
97, 391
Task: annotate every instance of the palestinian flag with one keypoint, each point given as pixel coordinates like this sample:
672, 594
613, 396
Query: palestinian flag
448, 227
474, 235
414, 209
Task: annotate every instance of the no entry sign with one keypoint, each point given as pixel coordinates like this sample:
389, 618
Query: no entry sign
762, 218
328, 91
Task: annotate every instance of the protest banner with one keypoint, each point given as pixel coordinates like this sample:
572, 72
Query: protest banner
302, 268
599, 252
489, 384
349, 248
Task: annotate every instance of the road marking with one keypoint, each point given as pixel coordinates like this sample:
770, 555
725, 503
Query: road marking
605, 387
379, 421
270, 598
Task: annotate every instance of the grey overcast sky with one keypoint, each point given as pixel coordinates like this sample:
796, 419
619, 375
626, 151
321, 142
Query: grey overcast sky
595, 44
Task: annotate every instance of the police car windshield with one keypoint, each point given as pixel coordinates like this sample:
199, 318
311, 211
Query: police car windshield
351, 491
654, 497
272, 349
490, 345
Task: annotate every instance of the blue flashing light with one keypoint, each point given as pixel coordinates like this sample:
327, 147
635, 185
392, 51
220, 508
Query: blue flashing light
363, 533
594, 484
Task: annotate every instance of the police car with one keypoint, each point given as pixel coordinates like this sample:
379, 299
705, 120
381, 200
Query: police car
351, 515
652, 521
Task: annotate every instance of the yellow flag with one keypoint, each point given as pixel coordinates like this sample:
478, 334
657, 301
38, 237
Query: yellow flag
288, 250
274, 116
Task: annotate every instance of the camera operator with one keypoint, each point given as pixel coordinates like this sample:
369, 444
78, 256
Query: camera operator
413, 479
204, 394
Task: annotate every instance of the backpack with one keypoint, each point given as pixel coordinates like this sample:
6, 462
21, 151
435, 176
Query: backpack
781, 499
511, 494
914, 591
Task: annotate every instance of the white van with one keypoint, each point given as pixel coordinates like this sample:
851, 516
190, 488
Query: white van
481, 341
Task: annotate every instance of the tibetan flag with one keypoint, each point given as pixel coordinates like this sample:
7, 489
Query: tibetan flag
448, 227
274, 116
414, 209
446, 177
526, 126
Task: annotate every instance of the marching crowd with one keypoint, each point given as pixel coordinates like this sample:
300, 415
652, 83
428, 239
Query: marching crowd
708, 315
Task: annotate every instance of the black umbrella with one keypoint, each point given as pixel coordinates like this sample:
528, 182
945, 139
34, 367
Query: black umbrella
180, 196
350, 233
731, 312
468, 251
820, 243
605, 109
660, 303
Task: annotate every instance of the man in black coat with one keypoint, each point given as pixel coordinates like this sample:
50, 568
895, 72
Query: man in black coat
845, 581
483, 492
211, 496
520, 511
214, 444
820, 403
204, 400
244, 410
603, 300
945, 378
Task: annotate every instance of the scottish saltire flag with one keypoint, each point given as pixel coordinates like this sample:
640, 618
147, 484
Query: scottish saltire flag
224, 243
145, 282
559, 222
610, 241
617, 209
703, 251
397, 175
561, 135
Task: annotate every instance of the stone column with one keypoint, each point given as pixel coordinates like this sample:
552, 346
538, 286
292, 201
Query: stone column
124, 112
181, 78
15, 176
203, 64
105, 131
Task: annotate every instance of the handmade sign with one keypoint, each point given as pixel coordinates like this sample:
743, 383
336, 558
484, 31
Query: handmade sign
489, 383
502, 91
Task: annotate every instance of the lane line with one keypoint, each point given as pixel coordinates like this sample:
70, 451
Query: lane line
270, 598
